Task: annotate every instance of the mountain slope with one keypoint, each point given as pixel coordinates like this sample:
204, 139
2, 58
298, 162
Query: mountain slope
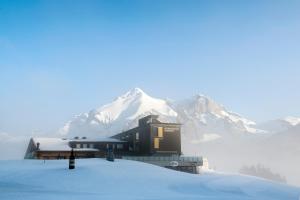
280, 125
202, 118
123, 113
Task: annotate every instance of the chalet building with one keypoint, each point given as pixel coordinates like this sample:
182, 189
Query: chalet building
152, 141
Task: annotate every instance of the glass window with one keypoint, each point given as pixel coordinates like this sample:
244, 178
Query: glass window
84, 146
77, 146
160, 132
92, 146
119, 146
137, 136
156, 143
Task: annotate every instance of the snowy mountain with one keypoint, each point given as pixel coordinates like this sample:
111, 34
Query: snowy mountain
121, 114
128, 180
203, 119
280, 125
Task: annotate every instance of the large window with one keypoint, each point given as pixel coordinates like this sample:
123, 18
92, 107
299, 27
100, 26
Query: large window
84, 146
156, 143
137, 136
160, 132
77, 146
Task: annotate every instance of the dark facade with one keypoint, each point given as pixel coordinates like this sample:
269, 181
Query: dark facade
152, 137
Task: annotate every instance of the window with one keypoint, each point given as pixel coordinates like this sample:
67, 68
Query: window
119, 146
77, 146
84, 146
92, 146
160, 132
156, 143
137, 136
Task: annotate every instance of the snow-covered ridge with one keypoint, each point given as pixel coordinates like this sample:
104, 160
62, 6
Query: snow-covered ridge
199, 115
133, 104
280, 125
121, 114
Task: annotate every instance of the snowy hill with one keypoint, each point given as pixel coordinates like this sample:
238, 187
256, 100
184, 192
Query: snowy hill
100, 179
202, 118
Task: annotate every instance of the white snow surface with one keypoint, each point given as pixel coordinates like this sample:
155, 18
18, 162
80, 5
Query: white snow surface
52, 144
123, 179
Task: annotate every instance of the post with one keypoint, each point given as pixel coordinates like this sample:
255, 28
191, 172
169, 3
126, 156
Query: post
72, 160
110, 154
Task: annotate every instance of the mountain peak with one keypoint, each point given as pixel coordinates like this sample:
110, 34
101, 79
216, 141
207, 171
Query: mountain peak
202, 98
135, 92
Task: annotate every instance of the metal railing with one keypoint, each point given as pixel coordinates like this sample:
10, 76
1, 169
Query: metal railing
166, 160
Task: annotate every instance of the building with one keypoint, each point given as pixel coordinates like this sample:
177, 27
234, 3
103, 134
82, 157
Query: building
57, 148
152, 142
152, 137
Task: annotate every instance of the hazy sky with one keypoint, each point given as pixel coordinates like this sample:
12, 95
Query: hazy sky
61, 58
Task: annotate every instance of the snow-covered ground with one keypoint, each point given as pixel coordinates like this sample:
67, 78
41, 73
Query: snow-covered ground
100, 179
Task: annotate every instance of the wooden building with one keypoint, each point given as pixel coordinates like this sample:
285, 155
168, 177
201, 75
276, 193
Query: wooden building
56, 148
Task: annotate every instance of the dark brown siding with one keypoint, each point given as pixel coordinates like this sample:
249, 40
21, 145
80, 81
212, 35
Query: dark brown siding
170, 142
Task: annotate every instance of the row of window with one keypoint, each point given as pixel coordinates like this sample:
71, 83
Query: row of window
85, 146
92, 146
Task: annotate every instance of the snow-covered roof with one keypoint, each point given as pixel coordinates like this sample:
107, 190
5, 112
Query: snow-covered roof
96, 140
52, 144
59, 144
